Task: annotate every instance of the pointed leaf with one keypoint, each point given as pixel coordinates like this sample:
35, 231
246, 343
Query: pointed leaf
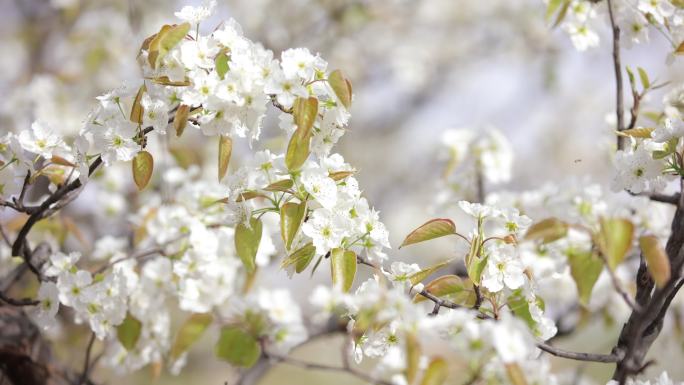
280, 186
548, 230
143, 164
585, 268
180, 120
643, 76
128, 332
417, 277
291, 218
137, 110
656, 259
237, 347
247, 239
615, 239
436, 372
343, 268
340, 175
193, 328
475, 269
225, 150
342, 88
167, 38
638, 132
297, 151
247, 195
432, 229
300, 258
445, 285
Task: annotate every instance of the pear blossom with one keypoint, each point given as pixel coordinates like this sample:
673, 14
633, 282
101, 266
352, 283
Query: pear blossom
637, 171
44, 313
195, 15
155, 114
659, 10
42, 140
326, 228
503, 268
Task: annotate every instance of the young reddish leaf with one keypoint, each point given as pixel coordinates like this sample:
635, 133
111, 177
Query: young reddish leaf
656, 259
191, 331
445, 285
291, 217
247, 239
137, 109
548, 230
434, 228
281, 185
340, 175
342, 88
143, 164
164, 41
343, 268
305, 111
615, 239
249, 194
128, 332
237, 347
180, 120
436, 372
225, 150
638, 132
417, 277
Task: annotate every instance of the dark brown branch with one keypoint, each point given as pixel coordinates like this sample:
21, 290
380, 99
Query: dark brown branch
86, 361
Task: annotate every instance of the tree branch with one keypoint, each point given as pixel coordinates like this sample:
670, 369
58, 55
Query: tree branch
617, 66
591, 357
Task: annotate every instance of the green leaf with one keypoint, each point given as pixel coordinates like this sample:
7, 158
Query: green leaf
180, 120
247, 239
548, 230
615, 239
247, 195
630, 76
193, 328
142, 166
585, 268
342, 88
431, 229
221, 64
413, 352
436, 372
300, 258
656, 259
475, 269
638, 132
643, 76
128, 332
305, 111
343, 268
291, 218
164, 41
237, 347
165, 81
137, 110
340, 175
417, 277
280, 186
225, 150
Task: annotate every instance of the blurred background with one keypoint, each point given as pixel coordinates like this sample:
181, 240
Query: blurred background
418, 68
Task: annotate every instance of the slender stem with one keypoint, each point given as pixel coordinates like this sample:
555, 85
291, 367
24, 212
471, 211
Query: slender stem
18, 302
618, 287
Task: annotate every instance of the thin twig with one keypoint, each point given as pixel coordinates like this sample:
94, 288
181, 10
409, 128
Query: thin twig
592, 357
86, 362
619, 108
316, 366
619, 289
